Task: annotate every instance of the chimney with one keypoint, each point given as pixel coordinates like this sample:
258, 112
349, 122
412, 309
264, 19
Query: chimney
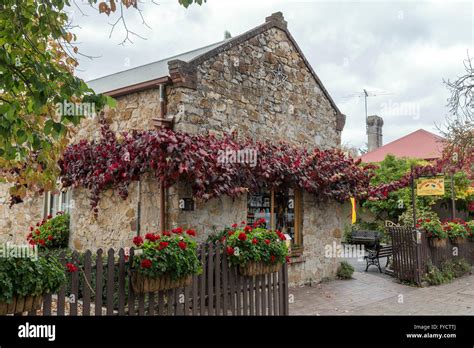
374, 132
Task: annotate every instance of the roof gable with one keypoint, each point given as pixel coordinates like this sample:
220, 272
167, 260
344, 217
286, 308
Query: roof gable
181, 68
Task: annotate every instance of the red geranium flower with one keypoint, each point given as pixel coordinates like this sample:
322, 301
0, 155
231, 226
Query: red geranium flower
243, 223
42, 242
234, 225
150, 236
254, 241
138, 240
267, 241
177, 230
428, 220
145, 263
418, 225
272, 258
182, 245
71, 268
242, 236
163, 245
167, 233
230, 250
50, 237
191, 233
50, 216
248, 229
230, 233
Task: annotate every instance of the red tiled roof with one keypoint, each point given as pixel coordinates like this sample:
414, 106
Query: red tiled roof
420, 144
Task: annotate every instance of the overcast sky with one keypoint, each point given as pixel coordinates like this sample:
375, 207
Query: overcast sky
399, 47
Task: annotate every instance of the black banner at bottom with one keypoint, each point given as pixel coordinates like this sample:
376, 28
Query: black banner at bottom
137, 331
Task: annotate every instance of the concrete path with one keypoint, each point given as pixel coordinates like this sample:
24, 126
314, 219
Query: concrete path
372, 293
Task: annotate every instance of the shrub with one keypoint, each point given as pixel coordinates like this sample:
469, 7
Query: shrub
255, 244
174, 254
345, 270
50, 233
29, 277
449, 270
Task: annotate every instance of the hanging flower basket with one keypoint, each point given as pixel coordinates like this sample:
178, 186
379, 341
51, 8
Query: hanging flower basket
438, 243
251, 269
164, 261
458, 240
21, 304
142, 284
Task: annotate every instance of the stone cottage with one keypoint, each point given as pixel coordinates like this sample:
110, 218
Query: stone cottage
258, 84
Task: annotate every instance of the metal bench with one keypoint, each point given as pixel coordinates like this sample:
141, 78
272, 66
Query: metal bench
376, 254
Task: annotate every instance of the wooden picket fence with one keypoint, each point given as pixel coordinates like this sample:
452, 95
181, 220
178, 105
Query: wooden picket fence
413, 252
102, 286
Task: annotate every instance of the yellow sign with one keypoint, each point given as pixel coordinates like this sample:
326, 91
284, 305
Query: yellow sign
430, 187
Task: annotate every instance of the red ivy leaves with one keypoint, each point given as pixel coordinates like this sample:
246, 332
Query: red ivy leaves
173, 156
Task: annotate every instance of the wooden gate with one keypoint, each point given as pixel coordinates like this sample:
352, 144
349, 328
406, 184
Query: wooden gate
408, 263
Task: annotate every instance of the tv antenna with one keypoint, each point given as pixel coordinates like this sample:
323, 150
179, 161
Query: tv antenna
366, 94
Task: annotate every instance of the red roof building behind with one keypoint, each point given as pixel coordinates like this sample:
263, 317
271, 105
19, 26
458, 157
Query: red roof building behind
420, 144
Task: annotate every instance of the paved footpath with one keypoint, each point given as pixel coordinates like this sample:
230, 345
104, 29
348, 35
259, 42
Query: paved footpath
376, 294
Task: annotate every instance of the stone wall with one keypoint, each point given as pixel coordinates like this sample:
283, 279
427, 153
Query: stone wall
15, 221
323, 224
241, 89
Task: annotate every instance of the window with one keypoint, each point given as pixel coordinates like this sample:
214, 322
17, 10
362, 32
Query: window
280, 209
58, 201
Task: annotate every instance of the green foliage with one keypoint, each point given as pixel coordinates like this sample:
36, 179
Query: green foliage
389, 170
52, 233
422, 212
38, 57
175, 255
345, 270
258, 244
449, 270
26, 276
186, 3
347, 236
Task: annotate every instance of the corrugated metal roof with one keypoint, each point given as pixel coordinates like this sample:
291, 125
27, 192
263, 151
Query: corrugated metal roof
420, 144
144, 73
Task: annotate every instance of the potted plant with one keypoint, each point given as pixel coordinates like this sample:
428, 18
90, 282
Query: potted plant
164, 261
50, 233
434, 231
457, 231
256, 250
24, 281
